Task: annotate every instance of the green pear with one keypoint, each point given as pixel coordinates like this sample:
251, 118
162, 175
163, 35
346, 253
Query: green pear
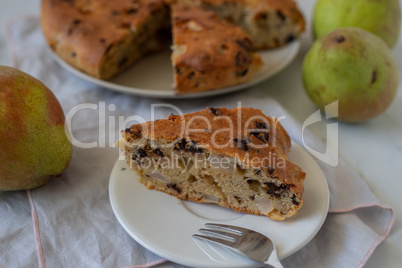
355, 68
34, 146
380, 17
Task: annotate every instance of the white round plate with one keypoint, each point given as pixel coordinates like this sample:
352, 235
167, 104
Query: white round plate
153, 76
165, 225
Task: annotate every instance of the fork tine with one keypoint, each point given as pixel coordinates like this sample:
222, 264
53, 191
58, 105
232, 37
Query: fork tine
235, 229
220, 241
224, 234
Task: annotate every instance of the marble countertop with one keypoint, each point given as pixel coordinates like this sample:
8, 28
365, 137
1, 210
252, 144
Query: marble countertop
373, 149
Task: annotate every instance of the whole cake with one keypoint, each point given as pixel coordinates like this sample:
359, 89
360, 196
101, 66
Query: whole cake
208, 52
103, 38
235, 158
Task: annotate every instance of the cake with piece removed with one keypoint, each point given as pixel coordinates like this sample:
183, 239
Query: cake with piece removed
103, 38
208, 52
235, 158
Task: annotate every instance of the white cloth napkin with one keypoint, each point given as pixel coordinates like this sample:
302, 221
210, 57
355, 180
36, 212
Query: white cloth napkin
72, 218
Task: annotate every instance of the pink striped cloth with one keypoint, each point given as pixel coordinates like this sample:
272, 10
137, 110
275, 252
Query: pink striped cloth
69, 221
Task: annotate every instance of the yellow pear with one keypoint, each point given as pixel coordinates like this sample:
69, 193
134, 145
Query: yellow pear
34, 146
380, 17
354, 67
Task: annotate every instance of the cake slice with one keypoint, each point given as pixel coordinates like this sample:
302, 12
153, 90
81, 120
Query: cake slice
270, 23
102, 38
235, 158
209, 53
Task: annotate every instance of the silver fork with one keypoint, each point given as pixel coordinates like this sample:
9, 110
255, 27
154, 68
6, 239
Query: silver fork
249, 243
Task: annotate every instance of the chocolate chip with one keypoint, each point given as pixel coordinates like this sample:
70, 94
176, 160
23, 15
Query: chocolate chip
215, 111
193, 148
140, 153
242, 144
76, 21
178, 71
190, 75
73, 54
262, 136
261, 125
245, 43
252, 197
263, 16
249, 181
174, 186
242, 73
128, 130
123, 62
181, 145
241, 59
134, 130
187, 146
158, 152
280, 15
239, 200
114, 13
290, 38
270, 170
294, 200
131, 10
274, 189
102, 40
108, 48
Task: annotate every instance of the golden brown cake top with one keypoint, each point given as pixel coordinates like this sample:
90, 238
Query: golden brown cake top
285, 7
89, 28
209, 42
246, 134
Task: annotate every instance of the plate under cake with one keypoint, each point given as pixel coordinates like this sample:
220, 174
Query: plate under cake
235, 158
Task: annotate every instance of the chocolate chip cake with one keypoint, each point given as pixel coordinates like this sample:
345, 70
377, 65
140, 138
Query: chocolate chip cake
208, 52
235, 158
270, 23
101, 37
